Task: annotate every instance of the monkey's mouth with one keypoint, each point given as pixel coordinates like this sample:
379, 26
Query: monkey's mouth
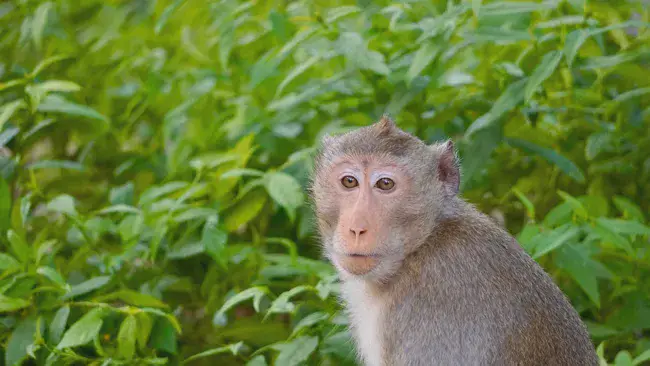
357, 263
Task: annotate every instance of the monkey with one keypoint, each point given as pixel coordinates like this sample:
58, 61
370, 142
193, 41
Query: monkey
426, 278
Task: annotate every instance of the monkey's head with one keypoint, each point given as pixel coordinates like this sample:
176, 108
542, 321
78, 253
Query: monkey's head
378, 193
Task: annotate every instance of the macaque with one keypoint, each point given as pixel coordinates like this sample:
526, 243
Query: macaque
426, 278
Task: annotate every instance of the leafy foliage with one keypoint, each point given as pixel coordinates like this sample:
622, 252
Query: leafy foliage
154, 158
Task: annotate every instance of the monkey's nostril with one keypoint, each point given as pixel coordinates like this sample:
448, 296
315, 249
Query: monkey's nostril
358, 231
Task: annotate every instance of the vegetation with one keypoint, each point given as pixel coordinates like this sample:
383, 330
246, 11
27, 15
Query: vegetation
154, 157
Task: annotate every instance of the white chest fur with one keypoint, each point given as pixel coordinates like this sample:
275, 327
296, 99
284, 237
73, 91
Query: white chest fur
366, 315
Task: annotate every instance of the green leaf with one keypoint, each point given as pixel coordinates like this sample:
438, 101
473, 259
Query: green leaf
133, 298
7, 135
297, 71
629, 209
63, 204
241, 172
564, 164
233, 349
597, 143
285, 190
623, 358
19, 247
625, 227
282, 303
58, 104
508, 100
170, 318
39, 23
643, 357
214, 240
543, 71
296, 352
56, 164
256, 293
9, 109
21, 338
500, 35
423, 57
572, 44
608, 234
164, 17
126, 338
580, 267
163, 336
5, 205
553, 240
57, 327
309, 320
356, 51
87, 286
244, 210
530, 207
47, 62
64, 86
144, 327
257, 361
83, 330
53, 276
11, 304
8, 262
576, 205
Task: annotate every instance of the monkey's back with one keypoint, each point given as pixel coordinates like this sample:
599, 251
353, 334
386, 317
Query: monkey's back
472, 296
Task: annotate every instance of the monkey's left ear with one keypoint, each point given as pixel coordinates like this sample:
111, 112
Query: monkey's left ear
449, 168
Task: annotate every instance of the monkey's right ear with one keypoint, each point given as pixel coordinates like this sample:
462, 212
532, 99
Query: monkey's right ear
448, 168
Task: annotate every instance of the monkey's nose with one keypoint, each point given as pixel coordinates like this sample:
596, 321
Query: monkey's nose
358, 230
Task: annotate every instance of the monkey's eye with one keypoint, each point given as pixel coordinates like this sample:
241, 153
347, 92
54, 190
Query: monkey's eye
349, 181
385, 184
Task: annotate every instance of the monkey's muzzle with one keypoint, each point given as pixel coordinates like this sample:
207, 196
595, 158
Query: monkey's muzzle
357, 264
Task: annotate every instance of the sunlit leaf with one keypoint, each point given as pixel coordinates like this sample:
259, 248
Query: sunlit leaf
423, 57
543, 71
233, 349
8, 110
297, 351
10, 304
310, 320
21, 338
87, 286
629, 209
580, 268
251, 293
214, 240
19, 246
56, 104
39, 22
508, 100
285, 190
53, 276
57, 327
126, 338
83, 330
133, 298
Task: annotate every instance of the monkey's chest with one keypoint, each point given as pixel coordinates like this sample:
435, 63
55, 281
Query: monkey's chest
366, 316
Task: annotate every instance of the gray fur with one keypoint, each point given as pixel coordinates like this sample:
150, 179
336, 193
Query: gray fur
459, 290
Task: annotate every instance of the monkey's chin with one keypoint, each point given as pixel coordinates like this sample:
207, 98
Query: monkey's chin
357, 265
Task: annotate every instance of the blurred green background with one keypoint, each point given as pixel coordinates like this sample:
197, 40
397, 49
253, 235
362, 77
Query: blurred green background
154, 157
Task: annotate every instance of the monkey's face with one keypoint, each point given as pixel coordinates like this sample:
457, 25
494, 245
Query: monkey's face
372, 212
378, 192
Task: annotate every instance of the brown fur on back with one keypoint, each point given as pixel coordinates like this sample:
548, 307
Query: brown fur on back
472, 296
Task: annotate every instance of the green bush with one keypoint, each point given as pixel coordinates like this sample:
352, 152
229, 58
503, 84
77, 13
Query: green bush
154, 157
